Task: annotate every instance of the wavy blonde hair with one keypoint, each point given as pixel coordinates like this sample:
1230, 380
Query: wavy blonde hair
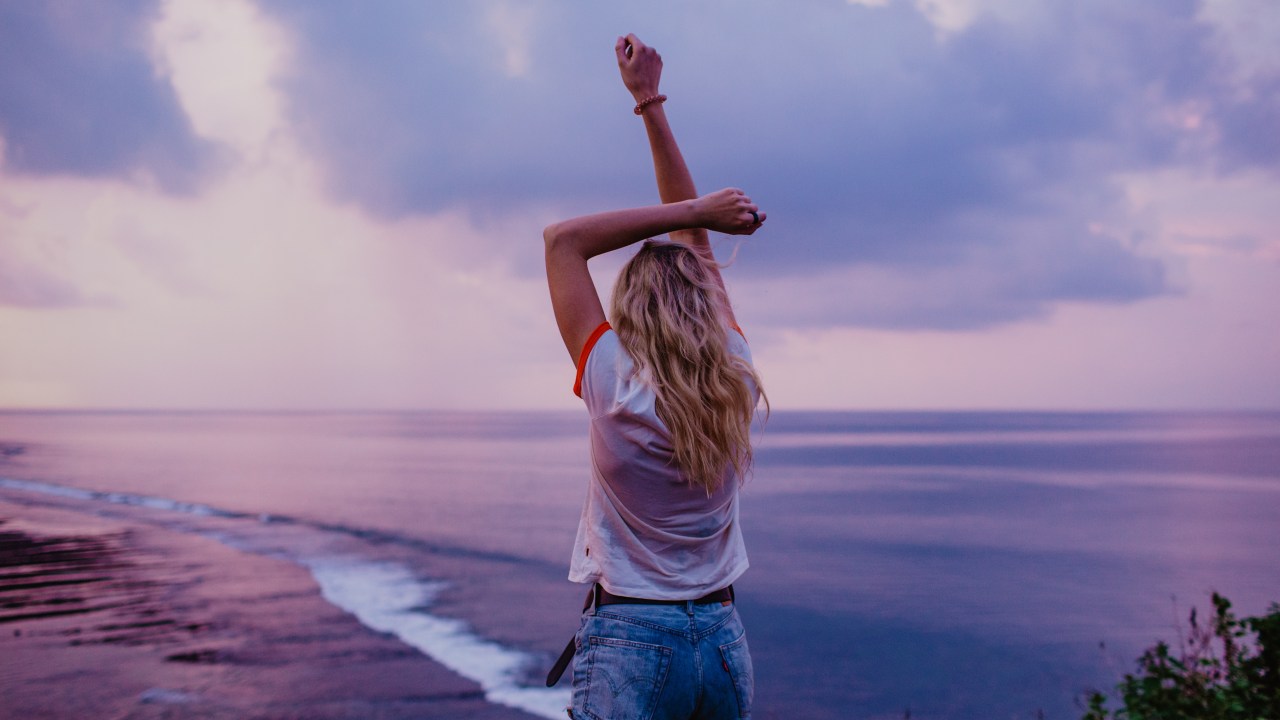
668, 311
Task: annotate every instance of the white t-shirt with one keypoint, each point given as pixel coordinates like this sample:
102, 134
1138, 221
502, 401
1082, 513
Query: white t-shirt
645, 530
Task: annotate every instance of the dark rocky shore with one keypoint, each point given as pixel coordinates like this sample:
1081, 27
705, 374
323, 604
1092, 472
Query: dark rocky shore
100, 619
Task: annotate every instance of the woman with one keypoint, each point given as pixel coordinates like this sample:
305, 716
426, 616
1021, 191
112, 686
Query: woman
671, 393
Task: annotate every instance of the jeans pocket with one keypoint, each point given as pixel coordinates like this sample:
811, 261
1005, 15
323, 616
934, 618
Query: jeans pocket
737, 659
620, 679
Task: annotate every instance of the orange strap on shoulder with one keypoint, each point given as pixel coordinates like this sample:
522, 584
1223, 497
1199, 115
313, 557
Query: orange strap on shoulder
586, 352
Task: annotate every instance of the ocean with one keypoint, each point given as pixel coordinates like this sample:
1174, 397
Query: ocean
948, 565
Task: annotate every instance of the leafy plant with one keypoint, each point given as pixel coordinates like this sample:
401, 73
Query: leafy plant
1228, 669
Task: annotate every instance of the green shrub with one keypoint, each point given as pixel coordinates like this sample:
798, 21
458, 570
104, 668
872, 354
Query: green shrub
1228, 669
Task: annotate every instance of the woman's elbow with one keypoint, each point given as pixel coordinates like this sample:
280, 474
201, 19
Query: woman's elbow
552, 234
560, 237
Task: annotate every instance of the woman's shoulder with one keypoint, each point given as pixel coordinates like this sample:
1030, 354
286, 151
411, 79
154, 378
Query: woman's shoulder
737, 343
607, 371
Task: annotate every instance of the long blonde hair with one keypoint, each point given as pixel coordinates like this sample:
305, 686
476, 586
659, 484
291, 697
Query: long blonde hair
668, 311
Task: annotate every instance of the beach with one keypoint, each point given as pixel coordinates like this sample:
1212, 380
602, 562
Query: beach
104, 618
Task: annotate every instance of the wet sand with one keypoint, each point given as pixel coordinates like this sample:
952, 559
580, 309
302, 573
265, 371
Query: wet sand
104, 619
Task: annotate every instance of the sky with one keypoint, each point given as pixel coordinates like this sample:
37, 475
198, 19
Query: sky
287, 204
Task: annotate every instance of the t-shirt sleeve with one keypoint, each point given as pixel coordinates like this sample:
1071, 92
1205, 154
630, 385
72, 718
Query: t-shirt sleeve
738, 344
597, 369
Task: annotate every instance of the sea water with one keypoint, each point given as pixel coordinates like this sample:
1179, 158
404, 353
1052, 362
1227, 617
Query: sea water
946, 565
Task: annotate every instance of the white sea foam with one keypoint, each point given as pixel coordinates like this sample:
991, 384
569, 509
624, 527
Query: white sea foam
383, 596
387, 597
47, 489
119, 498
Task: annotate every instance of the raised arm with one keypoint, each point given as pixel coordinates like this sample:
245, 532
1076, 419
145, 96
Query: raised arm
641, 68
569, 244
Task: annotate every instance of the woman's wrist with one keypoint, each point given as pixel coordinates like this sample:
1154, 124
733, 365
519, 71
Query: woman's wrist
693, 212
651, 101
683, 215
639, 94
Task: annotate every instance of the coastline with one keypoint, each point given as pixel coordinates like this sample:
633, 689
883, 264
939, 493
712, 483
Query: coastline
100, 617
932, 548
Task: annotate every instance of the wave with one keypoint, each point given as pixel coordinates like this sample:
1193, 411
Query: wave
383, 596
371, 535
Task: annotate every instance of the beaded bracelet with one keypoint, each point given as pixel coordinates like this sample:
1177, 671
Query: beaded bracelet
649, 100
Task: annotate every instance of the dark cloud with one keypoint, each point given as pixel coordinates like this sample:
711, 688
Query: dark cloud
1250, 126
987, 279
79, 95
413, 108
871, 140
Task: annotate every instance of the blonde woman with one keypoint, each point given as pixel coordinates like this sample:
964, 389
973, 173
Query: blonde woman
671, 393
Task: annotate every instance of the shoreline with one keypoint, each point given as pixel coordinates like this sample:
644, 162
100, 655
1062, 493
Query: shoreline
101, 617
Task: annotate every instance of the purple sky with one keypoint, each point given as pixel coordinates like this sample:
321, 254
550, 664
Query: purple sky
1006, 204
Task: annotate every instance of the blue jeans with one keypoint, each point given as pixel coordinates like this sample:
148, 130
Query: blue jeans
661, 662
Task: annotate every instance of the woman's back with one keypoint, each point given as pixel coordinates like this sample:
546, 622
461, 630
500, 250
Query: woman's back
646, 531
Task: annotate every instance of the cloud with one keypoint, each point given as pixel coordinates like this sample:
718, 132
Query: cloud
35, 264
419, 108
874, 141
26, 285
219, 58
79, 96
257, 290
866, 101
1248, 126
970, 294
901, 141
959, 202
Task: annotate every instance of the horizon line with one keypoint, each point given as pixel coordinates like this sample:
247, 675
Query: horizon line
866, 410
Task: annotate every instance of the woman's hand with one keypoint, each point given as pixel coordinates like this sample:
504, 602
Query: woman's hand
641, 66
728, 211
